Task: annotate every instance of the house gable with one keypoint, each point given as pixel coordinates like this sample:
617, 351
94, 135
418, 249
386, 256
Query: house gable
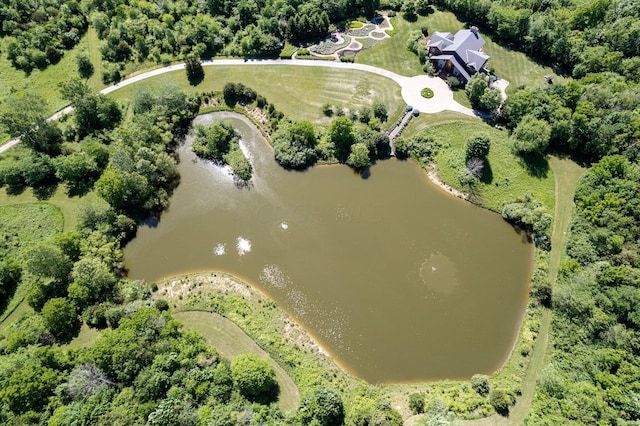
463, 50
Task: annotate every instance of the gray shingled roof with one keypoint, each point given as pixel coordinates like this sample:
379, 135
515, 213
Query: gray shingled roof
456, 63
466, 44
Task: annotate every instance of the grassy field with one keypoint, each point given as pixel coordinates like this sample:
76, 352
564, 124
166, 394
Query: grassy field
566, 174
506, 176
20, 226
85, 338
298, 92
43, 83
67, 205
230, 341
24, 223
92, 48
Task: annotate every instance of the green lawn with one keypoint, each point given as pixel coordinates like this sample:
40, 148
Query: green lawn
67, 205
507, 176
230, 341
9, 317
92, 48
298, 92
392, 54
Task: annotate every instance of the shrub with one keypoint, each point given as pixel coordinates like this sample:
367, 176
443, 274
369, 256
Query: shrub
380, 110
364, 115
427, 93
477, 146
161, 305
453, 82
323, 407
500, 401
480, 384
416, 403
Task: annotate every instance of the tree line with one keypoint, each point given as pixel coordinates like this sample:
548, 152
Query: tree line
582, 37
38, 33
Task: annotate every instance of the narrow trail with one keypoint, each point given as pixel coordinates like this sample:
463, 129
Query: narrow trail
566, 174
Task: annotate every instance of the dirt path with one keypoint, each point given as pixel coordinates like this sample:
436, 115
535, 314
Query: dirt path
566, 174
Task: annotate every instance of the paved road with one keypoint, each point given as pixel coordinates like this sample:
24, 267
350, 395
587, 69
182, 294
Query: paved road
410, 86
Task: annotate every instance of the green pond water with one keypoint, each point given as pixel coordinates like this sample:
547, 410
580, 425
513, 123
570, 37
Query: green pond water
396, 279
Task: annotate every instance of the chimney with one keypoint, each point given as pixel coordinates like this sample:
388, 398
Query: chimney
474, 30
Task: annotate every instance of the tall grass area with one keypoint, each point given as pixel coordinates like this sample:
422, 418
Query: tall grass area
260, 318
22, 225
299, 92
506, 175
56, 195
43, 83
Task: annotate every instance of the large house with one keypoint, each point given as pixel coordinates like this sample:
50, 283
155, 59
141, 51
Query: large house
459, 55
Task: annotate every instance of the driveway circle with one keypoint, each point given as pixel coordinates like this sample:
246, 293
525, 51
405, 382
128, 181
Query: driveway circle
442, 94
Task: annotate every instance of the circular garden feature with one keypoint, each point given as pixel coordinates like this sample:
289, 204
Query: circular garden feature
427, 93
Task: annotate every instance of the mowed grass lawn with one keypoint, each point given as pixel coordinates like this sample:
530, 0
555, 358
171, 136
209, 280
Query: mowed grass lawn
299, 92
392, 54
506, 176
230, 341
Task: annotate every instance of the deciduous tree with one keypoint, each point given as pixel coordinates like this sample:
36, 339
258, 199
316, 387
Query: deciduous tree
254, 377
61, 319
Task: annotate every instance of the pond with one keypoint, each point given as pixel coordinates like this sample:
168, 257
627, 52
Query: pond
396, 279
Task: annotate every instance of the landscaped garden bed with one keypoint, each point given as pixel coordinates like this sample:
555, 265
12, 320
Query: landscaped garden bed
362, 31
427, 93
329, 47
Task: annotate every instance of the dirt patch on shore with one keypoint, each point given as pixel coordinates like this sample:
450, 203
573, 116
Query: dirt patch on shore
433, 176
190, 291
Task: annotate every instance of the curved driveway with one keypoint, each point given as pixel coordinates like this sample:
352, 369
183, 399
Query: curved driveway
410, 86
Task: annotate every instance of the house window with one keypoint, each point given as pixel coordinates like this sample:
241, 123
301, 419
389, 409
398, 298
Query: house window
440, 63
